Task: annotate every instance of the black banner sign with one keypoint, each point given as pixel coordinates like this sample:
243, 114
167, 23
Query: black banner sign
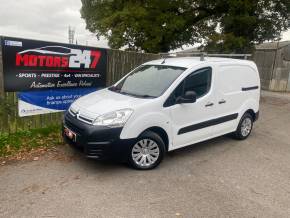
36, 65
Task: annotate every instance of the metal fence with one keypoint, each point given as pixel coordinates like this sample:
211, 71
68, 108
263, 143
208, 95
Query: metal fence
119, 63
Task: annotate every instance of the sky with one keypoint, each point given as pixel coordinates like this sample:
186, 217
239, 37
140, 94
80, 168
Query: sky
45, 20
49, 20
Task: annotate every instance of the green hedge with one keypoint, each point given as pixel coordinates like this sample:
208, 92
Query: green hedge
12, 143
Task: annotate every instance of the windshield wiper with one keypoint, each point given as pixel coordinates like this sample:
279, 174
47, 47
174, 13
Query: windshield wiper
141, 96
114, 89
146, 96
118, 90
136, 95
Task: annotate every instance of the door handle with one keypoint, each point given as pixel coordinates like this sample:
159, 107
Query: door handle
209, 104
222, 101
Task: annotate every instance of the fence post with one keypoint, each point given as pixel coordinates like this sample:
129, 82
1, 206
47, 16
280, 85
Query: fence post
1, 71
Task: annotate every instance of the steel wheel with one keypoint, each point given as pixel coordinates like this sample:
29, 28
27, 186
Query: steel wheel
246, 127
145, 153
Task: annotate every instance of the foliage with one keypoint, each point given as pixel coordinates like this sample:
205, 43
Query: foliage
26, 140
162, 25
249, 22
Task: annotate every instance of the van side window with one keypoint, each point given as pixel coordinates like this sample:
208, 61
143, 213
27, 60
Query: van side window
171, 100
199, 82
178, 91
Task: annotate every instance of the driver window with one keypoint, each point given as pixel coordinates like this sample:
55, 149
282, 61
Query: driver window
199, 82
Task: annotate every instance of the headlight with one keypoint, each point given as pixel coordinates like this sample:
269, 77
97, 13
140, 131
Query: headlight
113, 119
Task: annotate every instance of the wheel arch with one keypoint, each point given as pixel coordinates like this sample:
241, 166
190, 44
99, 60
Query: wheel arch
255, 115
250, 106
252, 113
161, 132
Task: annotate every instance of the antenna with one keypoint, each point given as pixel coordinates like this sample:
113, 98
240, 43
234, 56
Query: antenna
71, 35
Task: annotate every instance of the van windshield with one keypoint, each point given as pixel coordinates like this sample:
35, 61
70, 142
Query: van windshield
148, 81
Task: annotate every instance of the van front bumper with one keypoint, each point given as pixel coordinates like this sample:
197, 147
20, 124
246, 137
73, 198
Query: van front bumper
97, 142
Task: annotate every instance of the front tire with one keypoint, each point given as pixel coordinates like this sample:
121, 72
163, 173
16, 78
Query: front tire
148, 151
245, 127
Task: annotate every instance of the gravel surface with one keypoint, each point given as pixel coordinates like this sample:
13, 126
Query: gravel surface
218, 178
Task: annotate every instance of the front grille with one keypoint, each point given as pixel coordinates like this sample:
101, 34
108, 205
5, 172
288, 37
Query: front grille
88, 120
81, 117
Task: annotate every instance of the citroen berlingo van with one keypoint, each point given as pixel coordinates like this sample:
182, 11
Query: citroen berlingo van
164, 105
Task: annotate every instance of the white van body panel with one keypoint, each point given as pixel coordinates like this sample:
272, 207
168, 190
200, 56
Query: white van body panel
104, 101
229, 77
183, 115
228, 84
147, 119
169, 120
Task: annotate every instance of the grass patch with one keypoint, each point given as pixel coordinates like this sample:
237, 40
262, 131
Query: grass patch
11, 144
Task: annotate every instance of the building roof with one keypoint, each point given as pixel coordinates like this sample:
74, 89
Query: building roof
272, 45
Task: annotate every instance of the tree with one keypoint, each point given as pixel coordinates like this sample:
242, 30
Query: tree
162, 25
249, 22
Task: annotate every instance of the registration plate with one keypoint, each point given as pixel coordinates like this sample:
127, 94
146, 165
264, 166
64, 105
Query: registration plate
70, 134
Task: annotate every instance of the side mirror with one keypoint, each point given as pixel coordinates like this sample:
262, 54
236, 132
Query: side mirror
188, 97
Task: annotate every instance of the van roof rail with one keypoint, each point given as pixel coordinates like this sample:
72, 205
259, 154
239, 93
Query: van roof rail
202, 56
163, 62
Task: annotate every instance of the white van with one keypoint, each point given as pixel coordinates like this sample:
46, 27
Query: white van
164, 105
